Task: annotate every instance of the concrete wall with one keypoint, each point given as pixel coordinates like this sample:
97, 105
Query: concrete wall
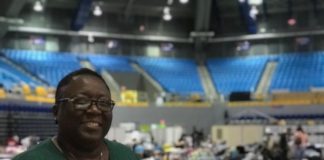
202, 118
282, 110
132, 81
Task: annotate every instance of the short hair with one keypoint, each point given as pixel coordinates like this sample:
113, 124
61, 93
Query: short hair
69, 77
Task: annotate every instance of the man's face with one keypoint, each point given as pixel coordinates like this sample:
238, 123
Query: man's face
89, 125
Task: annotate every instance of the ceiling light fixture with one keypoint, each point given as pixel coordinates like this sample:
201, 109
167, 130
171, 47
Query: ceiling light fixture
263, 29
38, 6
183, 1
97, 11
91, 38
166, 10
167, 17
166, 14
254, 12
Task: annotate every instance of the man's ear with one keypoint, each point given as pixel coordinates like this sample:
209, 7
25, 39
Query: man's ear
55, 111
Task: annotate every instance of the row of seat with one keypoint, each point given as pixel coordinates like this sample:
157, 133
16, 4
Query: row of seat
305, 117
49, 66
295, 72
10, 76
175, 75
20, 108
110, 63
236, 74
299, 72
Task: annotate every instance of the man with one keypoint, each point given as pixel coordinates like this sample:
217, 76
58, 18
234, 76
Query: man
83, 112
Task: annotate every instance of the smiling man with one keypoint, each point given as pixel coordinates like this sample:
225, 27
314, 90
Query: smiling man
83, 111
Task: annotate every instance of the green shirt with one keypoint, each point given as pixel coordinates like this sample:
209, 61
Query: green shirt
48, 151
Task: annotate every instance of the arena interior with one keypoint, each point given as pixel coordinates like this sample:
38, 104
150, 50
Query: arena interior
192, 79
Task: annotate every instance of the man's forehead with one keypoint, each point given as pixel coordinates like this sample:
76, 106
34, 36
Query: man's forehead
85, 78
81, 80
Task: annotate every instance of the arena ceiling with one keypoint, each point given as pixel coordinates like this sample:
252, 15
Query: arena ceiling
11, 8
199, 11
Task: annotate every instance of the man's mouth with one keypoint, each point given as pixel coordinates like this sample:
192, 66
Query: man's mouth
92, 124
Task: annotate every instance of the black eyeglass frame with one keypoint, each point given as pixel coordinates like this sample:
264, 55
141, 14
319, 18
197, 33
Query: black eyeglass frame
87, 105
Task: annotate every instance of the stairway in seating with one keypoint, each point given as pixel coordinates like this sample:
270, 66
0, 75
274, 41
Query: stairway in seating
87, 64
111, 82
207, 83
148, 77
265, 81
23, 70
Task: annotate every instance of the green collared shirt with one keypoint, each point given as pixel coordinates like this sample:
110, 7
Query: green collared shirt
47, 150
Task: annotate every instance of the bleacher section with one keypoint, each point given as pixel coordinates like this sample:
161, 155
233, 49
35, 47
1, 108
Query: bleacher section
175, 75
10, 76
49, 66
110, 63
294, 73
299, 72
236, 74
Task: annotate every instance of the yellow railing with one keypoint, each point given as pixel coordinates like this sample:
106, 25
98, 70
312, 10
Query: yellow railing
128, 98
2, 94
187, 104
284, 99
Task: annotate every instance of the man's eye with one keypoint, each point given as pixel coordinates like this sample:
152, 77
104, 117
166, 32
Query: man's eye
103, 103
81, 101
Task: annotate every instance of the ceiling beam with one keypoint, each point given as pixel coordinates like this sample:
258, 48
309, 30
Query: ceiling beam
3, 29
201, 24
266, 36
14, 7
202, 15
128, 8
49, 31
233, 12
82, 14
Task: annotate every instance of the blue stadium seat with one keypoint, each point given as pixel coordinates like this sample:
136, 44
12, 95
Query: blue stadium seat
236, 74
49, 66
179, 76
110, 63
11, 76
299, 72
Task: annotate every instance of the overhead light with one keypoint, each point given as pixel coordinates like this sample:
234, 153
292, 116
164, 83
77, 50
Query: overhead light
167, 17
38, 6
97, 11
166, 14
166, 10
263, 29
255, 2
167, 47
183, 1
90, 38
241, 1
111, 44
254, 12
141, 28
291, 21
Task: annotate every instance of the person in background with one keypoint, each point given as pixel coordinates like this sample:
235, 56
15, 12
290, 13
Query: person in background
139, 150
13, 145
300, 141
302, 135
283, 143
83, 111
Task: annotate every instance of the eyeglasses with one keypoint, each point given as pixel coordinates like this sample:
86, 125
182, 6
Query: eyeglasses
83, 103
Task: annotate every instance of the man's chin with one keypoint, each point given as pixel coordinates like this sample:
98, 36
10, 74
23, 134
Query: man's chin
90, 137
